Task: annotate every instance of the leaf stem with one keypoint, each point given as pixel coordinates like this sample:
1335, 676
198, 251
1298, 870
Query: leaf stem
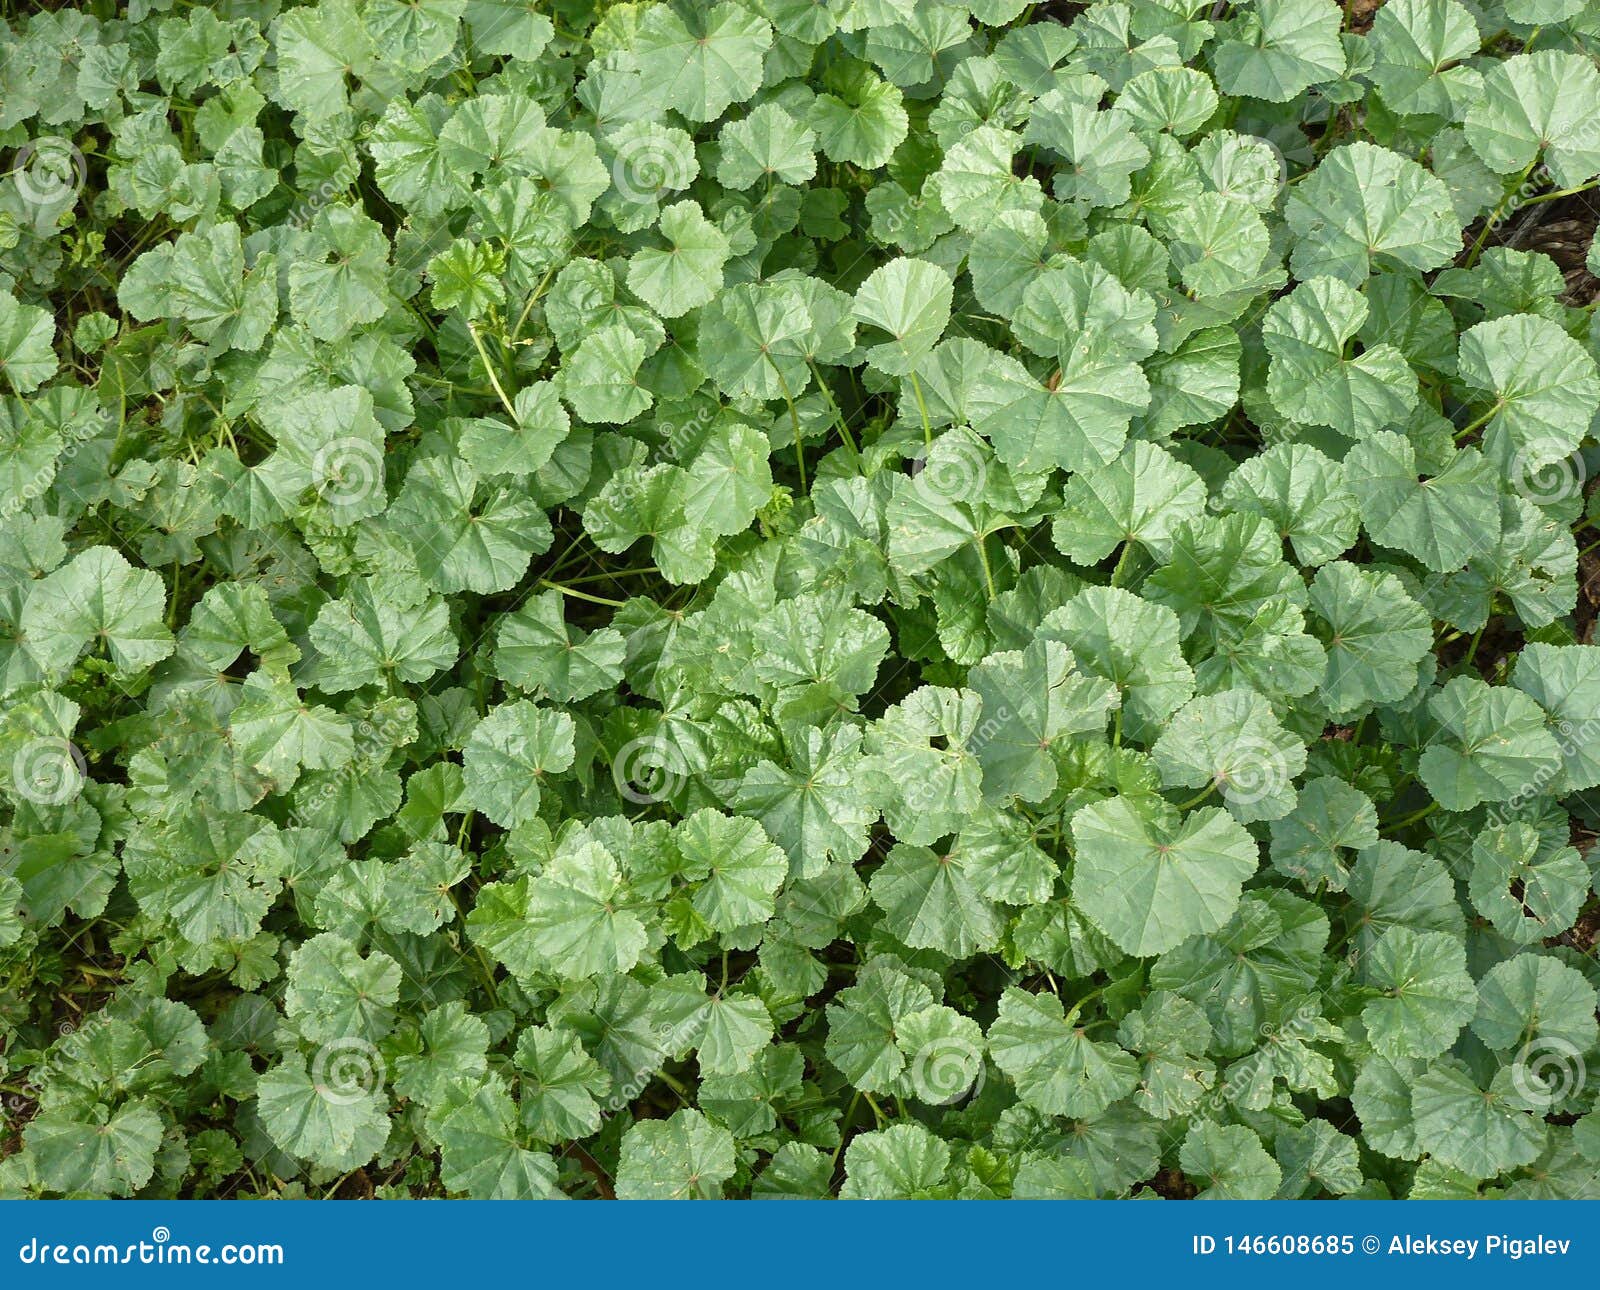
488, 367
838, 412
794, 419
1122, 561
1493, 222
1479, 422
1559, 193
581, 595
1199, 797
922, 410
844, 1127
1411, 819
983, 558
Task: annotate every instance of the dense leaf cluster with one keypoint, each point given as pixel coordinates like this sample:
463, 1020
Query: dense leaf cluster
754, 597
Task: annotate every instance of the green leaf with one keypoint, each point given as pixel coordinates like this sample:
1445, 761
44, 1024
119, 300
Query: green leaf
685, 1157
814, 805
1528, 890
1545, 387
739, 871
902, 1162
1232, 740
1133, 644
481, 1152
559, 1085
1141, 497
600, 380
1280, 48
1444, 520
1057, 1069
686, 275
1539, 103
1491, 744
1565, 681
862, 121
1330, 819
1034, 699
1414, 43
97, 601
924, 765
508, 753
1375, 634
767, 143
466, 535
928, 901
1365, 207
1536, 1006
333, 1125
1303, 493
1424, 995
1230, 1161
1463, 1126
364, 640
1149, 879
700, 61
110, 1156
1312, 381
536, 649
910, 301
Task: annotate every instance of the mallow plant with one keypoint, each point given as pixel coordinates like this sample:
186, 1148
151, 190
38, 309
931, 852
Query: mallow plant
879, 598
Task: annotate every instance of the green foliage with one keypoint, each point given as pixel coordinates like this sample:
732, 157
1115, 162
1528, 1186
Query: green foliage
868, 599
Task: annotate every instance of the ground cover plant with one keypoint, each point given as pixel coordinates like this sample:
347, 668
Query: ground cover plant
780, 599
